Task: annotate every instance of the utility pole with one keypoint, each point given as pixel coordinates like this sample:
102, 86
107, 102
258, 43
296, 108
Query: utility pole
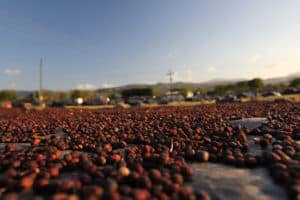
41, 80
170, 74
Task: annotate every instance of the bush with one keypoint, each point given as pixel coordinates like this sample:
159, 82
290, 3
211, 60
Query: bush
8, 95
295, 83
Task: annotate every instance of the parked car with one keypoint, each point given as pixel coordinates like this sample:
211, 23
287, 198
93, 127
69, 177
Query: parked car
246, 95
228, 99
62, 103
291, 91
99, 100
271, 93
197, 98
19, 103
149, 101
7, 105
170, 98
135, 101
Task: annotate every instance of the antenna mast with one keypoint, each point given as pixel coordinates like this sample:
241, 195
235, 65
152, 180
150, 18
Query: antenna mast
41, 80
170, 74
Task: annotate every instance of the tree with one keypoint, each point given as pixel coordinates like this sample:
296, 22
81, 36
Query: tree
223, 89
201, 91
85, 94
47, 96
61, 96
184, 90
8, 95
34, 96
256, 83
295, 83
242, 86
114, 96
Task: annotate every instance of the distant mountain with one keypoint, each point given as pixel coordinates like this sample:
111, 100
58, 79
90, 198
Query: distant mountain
164, 87
23, 93
283, 79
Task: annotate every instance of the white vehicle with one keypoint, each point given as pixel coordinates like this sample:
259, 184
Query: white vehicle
79, 101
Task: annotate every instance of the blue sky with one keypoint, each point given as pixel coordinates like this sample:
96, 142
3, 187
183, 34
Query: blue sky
100, 43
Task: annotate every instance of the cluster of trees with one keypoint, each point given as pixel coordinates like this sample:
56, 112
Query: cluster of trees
48, 96
241, 86
254, 84
184, 90
67, 95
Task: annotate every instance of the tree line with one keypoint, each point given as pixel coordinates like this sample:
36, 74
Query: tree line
242, 86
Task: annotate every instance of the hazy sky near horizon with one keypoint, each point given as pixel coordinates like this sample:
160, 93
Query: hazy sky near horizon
101, 43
